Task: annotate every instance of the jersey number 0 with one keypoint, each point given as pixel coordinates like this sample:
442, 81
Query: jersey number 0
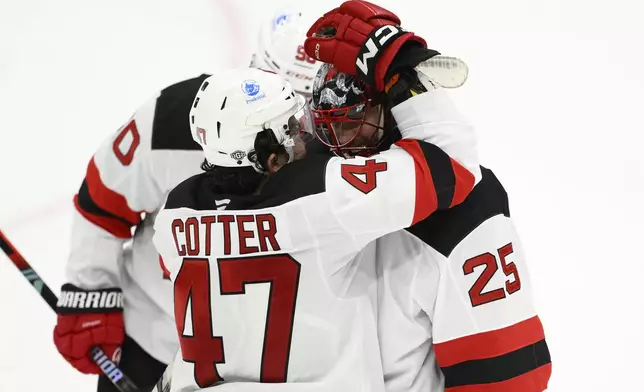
192, 287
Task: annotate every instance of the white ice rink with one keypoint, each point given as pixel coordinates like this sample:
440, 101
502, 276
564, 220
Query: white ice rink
556, 92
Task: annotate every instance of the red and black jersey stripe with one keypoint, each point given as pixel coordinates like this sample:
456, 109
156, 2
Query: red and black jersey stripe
514, 358
444, 230
441, 182
170, 131
103, 206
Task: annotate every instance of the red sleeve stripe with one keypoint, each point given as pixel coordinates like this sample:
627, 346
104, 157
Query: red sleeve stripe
426, 199
533, 381
464, 183
107, 199
114, 226
490, 344
441, 182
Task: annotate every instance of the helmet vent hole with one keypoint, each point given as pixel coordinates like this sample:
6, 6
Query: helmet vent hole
196, 103
223, 104
205, 84
218, 129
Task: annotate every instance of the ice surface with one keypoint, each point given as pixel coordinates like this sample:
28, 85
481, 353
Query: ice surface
555, 92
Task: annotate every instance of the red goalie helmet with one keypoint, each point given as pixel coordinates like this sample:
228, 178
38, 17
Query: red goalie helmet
348, 117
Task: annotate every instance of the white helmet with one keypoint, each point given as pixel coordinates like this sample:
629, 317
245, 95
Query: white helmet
281, 50
232, 107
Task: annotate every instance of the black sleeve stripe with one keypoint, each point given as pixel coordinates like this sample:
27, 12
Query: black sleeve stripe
87, 204
497, 369
445, 229
440, 165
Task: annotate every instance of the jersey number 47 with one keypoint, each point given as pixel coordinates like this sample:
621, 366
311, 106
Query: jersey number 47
192, 287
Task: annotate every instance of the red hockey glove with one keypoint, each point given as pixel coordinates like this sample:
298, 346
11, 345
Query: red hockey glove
359, 38
89, 318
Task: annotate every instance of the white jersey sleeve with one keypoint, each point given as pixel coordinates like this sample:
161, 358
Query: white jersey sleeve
434, 167
402, 186
433, 117
118, 188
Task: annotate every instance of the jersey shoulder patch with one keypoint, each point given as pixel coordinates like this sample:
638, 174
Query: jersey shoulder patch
444, 230
171, 127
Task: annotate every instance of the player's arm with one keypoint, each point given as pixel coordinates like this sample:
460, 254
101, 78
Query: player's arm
397, 188
429, 114
118, 187
485, 328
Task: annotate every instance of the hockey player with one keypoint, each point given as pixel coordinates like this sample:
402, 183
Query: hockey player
455, 309
126, 183
267, 289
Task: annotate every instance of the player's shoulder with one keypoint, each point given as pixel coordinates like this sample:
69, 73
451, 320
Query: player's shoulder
296, 180
189, 194
185, 88
171, 127
444, 230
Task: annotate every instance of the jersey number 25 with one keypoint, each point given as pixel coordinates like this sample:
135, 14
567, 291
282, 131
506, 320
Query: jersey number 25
477, 296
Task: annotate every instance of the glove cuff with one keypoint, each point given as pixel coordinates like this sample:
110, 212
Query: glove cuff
392, 53
373, 48
75, 300
402, 77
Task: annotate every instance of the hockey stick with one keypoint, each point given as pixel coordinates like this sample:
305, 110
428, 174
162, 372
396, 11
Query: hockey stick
444, 71
109, 368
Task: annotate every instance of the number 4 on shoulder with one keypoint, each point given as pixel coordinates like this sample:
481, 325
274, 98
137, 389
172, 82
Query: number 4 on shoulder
363, 177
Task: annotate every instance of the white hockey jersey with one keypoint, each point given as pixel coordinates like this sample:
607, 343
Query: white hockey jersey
127, 181
269, 290
455, 309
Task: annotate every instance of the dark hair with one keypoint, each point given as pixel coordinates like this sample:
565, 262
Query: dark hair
231, 180
244, 180
265, 145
